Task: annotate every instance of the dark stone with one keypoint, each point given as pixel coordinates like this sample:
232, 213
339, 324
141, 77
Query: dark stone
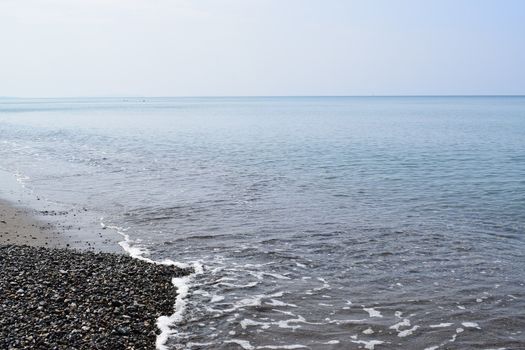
63, 299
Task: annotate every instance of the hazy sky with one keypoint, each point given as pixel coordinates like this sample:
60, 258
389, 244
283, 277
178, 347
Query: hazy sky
261, 47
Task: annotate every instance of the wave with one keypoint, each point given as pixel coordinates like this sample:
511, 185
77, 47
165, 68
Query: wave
182, 284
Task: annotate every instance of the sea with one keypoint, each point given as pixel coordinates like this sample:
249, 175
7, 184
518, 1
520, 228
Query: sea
310, 222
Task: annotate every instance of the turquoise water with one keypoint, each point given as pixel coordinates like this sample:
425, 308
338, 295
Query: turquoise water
386, 222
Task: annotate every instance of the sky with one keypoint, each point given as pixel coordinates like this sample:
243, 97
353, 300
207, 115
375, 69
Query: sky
66, 48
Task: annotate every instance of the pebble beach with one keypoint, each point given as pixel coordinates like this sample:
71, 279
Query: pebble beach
56, 298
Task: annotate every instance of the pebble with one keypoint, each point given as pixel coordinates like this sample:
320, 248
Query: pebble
65, 299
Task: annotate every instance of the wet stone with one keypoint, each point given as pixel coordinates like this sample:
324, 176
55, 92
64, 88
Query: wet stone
90, 306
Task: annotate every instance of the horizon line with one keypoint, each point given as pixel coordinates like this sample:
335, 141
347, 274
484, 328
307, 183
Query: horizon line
254, 96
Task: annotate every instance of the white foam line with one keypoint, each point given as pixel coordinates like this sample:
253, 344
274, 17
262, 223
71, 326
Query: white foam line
256, 300
372, 312
343, 322
369, 330
281, 324
470, 325
441, 325
325, 285
199, 345
216, 298
368, 344
404, 323
182, 284
276, 276
275, 302
239, 286
407, 332
248, 322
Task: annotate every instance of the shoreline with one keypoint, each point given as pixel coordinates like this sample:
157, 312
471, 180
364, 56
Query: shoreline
19, 227
57, 293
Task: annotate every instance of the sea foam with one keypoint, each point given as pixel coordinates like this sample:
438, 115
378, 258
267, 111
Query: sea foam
183, 284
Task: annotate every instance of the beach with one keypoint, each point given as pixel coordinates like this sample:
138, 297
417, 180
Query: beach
19, 227
310, 222
262, 175
57, 298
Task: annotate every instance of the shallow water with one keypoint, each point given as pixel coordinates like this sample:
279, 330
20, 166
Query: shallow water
321, 223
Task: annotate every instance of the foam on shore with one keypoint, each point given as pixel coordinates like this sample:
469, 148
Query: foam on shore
182, 284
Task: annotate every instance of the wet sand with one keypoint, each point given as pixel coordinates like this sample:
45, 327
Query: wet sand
19, 226
67, 228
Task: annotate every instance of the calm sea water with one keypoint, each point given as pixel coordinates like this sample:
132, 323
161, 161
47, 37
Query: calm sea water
321, 223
